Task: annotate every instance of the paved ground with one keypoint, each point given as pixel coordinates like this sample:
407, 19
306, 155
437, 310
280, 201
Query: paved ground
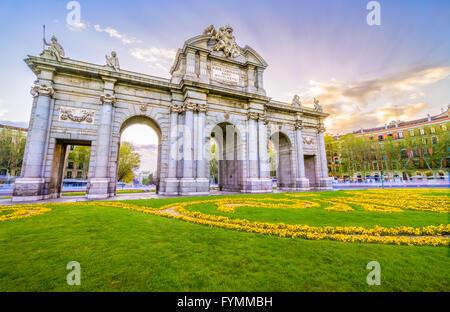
73, 199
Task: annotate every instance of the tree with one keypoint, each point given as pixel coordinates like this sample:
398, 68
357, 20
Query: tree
129, 160
12, 147
273, 162
80, 156
150, 180
213, 163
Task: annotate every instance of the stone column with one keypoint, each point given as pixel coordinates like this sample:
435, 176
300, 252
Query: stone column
98, 185
263, 152
301, 182
202, 179
204, 77
31, 184
171, 182
187, 182
253, 183
325, 181
251, 79
190, 64
260, 82
252, 142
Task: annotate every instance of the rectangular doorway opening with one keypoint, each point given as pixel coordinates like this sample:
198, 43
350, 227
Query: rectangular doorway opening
70, 168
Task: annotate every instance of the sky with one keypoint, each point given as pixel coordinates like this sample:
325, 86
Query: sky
364, 76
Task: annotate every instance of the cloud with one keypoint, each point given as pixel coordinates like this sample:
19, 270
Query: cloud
113, 33
156, 57
369, 103
73, 26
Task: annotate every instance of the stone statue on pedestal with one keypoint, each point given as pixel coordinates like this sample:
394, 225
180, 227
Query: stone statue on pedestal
55, 48
225, 40
296, 101
317, 106
113, 61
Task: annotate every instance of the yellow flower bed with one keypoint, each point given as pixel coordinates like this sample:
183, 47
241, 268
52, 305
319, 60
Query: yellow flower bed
22, 211
376, 200
402, 235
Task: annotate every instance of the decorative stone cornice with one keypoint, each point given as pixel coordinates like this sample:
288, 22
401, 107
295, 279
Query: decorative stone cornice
253, 116
298, 125
108, 98
42, 89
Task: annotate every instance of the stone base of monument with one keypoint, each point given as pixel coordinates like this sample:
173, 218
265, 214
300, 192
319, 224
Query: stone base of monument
28, 189
169, 187
302, 185
187, 187
98, 189
202, 186
326, 184
258, 186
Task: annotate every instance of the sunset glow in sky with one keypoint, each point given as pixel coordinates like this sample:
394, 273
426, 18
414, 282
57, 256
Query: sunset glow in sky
363, 75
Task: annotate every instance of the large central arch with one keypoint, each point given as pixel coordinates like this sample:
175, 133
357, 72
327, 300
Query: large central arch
230, 166
143, 120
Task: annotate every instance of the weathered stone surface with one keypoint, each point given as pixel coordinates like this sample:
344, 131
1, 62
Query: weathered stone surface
216, 91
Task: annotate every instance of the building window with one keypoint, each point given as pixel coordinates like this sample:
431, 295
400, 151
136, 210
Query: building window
433, 130
422, 131
69, 174
424, 141
411, 132
400, 135
444, 127
70, 165
79, 174
434, 140
375, 165
3, 172
380, 138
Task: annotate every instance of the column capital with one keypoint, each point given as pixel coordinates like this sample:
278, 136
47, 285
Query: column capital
176, 108
298, 125
321, 129
189, 107
252, 116
108, 98
42, 89
263, 118
202, 108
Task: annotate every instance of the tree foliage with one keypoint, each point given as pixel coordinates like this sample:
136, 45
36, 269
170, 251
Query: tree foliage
12, 147
80, 156
129, 160
352, 155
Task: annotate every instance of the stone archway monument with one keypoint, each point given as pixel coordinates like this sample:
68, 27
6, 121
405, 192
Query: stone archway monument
215, 86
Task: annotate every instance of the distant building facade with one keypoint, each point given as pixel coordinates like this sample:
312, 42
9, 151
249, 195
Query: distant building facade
400, 149
10, 156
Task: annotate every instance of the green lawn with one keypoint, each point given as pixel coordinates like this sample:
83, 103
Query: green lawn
123, 250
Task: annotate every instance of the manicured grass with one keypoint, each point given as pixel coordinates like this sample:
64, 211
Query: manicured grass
123, 250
